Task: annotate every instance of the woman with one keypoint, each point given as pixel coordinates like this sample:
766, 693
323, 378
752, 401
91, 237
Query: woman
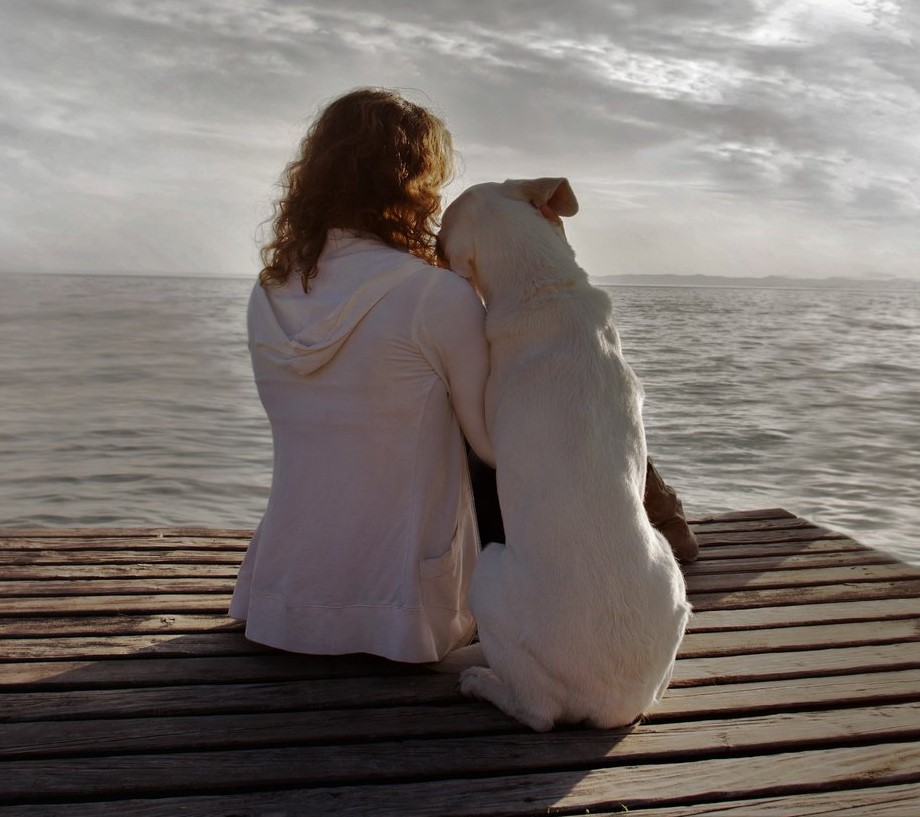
371, 364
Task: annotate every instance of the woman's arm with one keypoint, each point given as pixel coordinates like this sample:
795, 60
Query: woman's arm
455, 318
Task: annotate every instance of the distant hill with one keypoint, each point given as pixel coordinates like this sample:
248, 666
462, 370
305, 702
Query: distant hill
764, 282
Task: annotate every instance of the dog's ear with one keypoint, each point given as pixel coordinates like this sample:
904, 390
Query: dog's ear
557, 194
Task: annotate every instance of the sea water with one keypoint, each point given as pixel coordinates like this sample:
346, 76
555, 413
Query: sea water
129, 401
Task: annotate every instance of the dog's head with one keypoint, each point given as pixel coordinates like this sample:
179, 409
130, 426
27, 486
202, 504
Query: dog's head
487, 217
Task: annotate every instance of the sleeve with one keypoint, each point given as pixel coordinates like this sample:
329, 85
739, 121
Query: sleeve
452, 329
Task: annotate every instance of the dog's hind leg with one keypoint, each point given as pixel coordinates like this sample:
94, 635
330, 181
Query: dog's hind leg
482, 683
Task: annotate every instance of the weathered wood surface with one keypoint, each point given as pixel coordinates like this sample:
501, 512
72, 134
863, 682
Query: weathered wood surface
125, 690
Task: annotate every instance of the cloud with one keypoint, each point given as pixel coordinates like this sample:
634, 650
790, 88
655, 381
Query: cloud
811, 22
165, 125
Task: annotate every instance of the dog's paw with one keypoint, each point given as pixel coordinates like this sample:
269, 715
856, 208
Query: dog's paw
473, 681
484, 685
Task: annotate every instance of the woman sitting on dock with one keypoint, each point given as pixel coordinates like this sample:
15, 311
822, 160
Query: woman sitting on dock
371, 364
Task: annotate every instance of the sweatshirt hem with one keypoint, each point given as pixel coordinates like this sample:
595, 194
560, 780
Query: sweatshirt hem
410, 635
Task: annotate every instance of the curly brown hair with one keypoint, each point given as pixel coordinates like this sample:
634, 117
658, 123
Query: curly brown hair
371, 162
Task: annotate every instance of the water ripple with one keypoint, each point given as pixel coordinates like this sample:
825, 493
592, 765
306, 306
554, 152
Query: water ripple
130, 402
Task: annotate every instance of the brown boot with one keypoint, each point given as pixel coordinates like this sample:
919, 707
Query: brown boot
666, 513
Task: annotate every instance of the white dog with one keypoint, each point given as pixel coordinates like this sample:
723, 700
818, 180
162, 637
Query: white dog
581, 612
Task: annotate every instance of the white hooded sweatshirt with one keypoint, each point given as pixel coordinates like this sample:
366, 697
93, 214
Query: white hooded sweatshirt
369, 538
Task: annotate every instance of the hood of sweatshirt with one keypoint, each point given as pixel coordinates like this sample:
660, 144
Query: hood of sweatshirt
302, 331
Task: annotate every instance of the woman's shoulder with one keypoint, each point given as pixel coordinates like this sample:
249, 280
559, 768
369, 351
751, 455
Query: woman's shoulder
448, 310
445, 287
439, 279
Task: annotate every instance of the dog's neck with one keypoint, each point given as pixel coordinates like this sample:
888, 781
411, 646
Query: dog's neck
536, 286
551, 287
547, 308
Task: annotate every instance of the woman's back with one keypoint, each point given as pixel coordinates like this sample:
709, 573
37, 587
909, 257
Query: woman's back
369, 539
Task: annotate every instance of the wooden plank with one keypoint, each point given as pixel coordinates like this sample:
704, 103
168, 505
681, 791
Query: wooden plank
238, 533
695, 583
819, 636
164, 604
833, 661
878, 801
278, 666
725, 699
745, 550
170, 603
384, 701
627, 786
343, 692
289, 760
123, 533
102, 564
177, 555
774, 523
154, 537
161, 551
791, 578
164, 645
792, 561
231, 552
109, 587
763, 617
740, 516
804, 534
247, 731
193, 670
179, 624
173, 602
702, 621
137, 569
232, 642
776, 597
145, 543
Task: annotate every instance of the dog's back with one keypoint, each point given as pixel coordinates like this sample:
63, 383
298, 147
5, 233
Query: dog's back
581, 611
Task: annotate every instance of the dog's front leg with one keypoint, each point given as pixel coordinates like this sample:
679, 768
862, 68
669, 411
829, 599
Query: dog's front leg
485, 685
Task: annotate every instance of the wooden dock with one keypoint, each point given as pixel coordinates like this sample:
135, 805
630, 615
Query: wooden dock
125, 690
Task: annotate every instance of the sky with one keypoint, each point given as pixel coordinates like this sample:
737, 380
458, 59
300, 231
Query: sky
743, 138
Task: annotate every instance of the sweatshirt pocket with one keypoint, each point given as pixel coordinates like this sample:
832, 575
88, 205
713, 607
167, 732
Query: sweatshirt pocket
439, 565
440, 580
